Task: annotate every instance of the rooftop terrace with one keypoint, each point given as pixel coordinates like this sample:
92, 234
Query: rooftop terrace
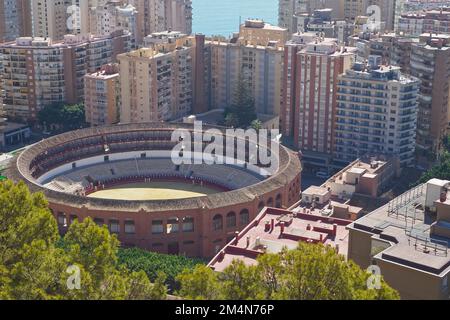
405, 225
273, 229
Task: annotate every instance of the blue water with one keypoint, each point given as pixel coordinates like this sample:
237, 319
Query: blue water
221, 17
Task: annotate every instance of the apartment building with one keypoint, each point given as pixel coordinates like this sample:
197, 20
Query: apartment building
114, 16
354, 8
290, 11
311, 69
378, 11
408, 238
160, 15
376, 113
15, 19
417, 23
256, 54
37, 72
178, 15
430, 62
101, 96
368, 43
157, 83
287, 10
53, 19
258, 33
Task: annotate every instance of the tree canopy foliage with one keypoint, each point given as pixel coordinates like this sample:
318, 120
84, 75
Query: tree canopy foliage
242, 110
152, 263
438, 171
310, 272
34, 264
63, 116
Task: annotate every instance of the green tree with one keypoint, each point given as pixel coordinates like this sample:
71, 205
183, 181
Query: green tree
310, 272
439, 171
63, 116
241, 282
231, 120
201, 283
153, 263
243, 104
33, 261
256, 124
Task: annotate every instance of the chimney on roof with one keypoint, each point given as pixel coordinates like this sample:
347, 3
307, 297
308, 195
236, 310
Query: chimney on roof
248, 241
267, 226
221, 255
272, 224
236, 237
281, 228
334, 229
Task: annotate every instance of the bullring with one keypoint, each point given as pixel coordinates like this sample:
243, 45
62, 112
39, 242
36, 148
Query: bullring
72, 167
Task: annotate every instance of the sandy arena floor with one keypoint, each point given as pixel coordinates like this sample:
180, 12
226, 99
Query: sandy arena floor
154, 191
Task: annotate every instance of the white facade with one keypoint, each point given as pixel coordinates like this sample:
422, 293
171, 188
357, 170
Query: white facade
376, 113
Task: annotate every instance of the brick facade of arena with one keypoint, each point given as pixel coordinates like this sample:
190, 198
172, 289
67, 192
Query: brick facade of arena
197, 227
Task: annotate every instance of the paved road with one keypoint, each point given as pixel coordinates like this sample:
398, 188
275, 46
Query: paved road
311, 180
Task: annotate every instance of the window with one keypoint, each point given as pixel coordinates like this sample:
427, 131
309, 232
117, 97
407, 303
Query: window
188, 224
231, 219
217, 222
260, 205
62, 219
99, 221
244, 217
114, 226
278, 201
172, 225
129, 227
157, 226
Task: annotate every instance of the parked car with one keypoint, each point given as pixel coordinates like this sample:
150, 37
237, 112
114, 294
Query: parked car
322, 174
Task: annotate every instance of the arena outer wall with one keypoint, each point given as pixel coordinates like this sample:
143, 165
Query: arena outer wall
200, 232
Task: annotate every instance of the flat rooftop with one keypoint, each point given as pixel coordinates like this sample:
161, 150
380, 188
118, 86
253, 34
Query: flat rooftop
273, 229
405, 225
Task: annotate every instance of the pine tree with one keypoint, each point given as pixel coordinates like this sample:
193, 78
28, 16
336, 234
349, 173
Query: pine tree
34, 263
243, 104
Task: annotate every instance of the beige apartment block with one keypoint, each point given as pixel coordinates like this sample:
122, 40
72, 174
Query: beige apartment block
256, 54
161, 15
430, 61
289, 11
15, 19
114, 16
417, 23
50, 19
259, 33
101, 96
157, 82
38, 72
408, 239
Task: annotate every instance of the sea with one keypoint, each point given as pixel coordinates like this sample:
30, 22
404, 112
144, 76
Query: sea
222, 17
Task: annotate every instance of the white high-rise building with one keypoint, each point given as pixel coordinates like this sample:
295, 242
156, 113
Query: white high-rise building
376, 113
